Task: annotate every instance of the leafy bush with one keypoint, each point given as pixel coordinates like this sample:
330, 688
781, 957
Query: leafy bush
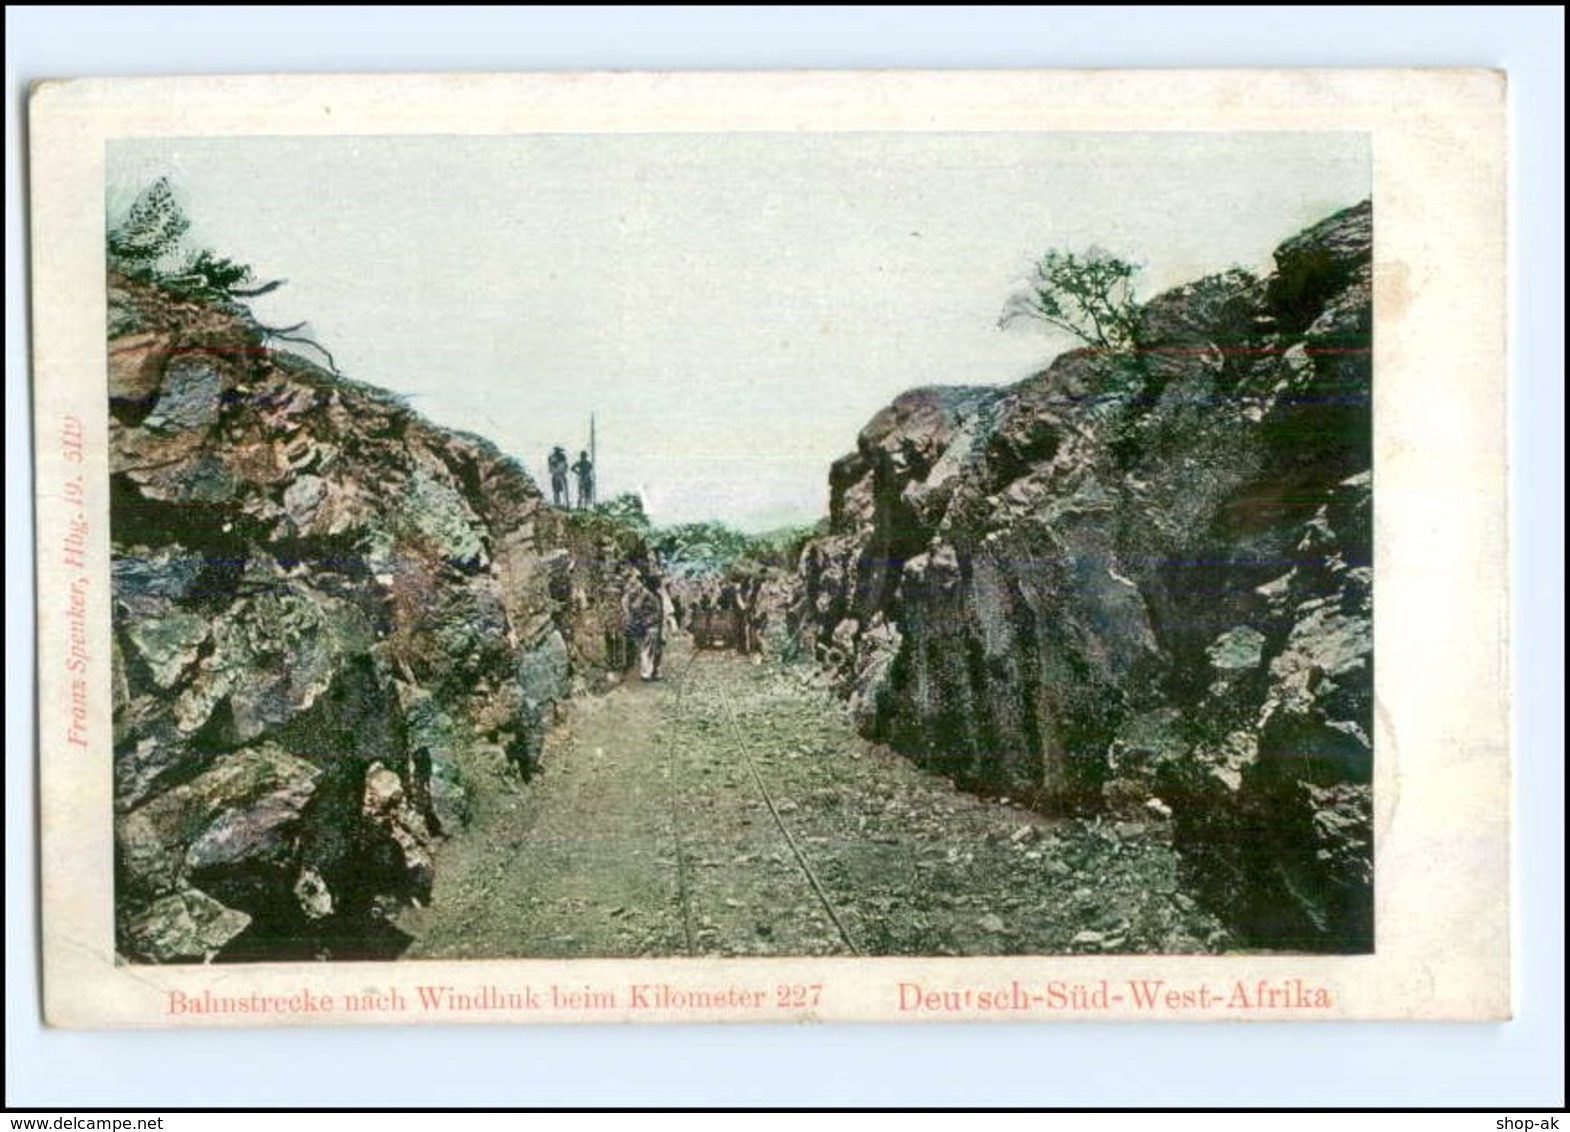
709, 549
149, 233
703, 549
783, 547
698, 550
626, 508
148, 243
1090, 295
205, 273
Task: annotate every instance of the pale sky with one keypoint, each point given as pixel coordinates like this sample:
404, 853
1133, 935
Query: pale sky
733, 308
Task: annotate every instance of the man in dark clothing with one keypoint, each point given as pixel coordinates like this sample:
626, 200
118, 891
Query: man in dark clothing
585, 470
558, 469
644, 615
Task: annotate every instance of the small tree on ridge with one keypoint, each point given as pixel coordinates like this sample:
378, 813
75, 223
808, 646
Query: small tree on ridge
1090, 295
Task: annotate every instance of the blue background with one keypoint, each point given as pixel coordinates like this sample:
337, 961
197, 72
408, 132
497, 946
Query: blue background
1356, 1065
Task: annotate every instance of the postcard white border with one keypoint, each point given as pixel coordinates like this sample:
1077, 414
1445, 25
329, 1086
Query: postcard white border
1442, 783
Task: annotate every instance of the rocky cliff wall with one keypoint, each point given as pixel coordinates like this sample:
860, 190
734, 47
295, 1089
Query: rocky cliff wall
1141, 584
321, 601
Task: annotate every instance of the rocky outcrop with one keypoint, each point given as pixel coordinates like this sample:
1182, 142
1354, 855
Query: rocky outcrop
321, 601
1140, 583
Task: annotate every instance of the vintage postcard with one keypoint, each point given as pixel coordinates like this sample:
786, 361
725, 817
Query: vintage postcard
772, 547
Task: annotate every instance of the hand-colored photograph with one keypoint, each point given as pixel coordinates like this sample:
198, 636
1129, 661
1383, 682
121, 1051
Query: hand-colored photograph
741, 544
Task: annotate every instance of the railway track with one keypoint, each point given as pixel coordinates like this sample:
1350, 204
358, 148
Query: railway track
683, 883
738, 736
728, 812
741, 744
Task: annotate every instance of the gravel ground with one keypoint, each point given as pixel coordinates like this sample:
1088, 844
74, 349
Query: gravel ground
729, 809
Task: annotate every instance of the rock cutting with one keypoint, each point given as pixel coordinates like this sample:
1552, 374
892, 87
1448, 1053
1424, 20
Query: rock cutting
1081, 664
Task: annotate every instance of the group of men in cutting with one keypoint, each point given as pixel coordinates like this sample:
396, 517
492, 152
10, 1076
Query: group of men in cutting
642, 603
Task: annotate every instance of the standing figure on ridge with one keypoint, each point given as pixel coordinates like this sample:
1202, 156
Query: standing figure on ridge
585, 470
557, 464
